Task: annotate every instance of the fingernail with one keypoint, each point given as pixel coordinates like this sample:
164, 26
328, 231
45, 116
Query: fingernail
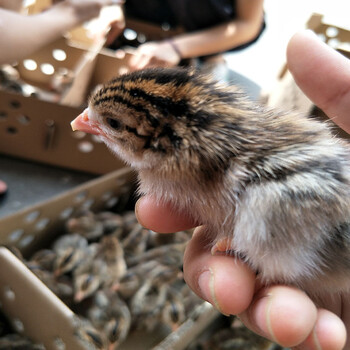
263, 311
137, 212
268, 316
206, 285
315, 339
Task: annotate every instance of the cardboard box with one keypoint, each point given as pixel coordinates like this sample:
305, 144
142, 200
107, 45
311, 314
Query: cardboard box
39, 130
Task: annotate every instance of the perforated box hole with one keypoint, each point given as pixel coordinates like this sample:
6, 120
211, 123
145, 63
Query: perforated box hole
166, 26
26, 241
141, 38
322, 37
42, 224
333, 42
3, 116
59, 344
66, 213
9, 294
80, 196
59, 55
47, 68
88, 204
130, 34
30, 65
18, 325
12, 130
32, 216
85, 147
96, 139
107, 195
78, 134
112, 202
15, 235
332, 32
15, 104
23, 119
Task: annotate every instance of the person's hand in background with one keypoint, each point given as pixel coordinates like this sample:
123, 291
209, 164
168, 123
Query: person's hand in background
155, 54
22, 35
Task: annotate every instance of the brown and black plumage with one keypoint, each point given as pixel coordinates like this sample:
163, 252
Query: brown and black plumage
273, 187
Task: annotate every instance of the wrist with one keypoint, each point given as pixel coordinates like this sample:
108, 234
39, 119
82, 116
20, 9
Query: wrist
175, 48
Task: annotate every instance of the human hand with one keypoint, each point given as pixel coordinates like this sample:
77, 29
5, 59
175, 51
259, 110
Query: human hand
86, 9
116, 27
283, 314
154, 54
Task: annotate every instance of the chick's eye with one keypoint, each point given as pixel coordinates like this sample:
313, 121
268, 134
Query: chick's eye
114, 123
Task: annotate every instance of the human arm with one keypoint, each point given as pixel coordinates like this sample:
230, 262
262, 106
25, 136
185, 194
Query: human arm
204, 42
280, 313
22, 35
13, 5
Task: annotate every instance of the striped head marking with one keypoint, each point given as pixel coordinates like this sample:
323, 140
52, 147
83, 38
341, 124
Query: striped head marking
138, 113
153, 114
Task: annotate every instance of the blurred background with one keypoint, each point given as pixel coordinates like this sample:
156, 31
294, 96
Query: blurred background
262, 61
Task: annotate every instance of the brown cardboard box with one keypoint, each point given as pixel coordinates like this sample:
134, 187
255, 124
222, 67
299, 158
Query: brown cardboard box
39, 130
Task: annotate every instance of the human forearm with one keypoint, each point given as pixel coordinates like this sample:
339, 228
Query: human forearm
35, 31
22, 35
241, 30
217, 39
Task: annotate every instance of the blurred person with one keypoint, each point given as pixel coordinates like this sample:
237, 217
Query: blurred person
209, 28
22, 35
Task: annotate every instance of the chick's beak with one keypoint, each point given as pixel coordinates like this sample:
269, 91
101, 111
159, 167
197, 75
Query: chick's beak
83, 123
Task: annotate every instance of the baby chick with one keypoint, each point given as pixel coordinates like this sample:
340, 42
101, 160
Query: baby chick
85, 225
89, 335
173, 313
135, 242
104, 270
112, 223
73, 240
18, 342
112, 254
129, 283
85, 285
271, 187
111, 315
148, 302
67, 260
45, 258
